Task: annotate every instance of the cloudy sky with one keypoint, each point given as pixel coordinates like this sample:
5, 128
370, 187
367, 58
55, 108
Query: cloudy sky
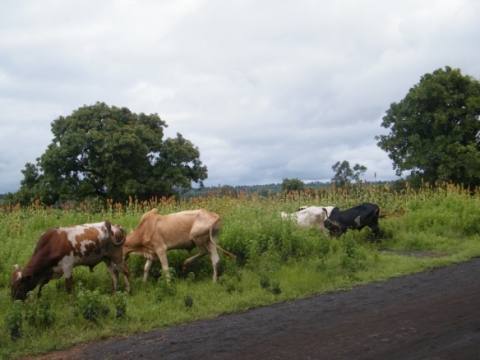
265, 89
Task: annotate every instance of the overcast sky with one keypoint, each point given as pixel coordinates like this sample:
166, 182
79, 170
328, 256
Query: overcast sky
265, 89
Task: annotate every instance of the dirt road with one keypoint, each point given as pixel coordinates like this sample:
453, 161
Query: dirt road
432, 315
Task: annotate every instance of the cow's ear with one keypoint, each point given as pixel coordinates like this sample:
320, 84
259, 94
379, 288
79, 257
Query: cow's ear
16, 267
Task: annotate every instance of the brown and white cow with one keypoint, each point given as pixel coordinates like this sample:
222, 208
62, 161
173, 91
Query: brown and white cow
156, 234
60, 249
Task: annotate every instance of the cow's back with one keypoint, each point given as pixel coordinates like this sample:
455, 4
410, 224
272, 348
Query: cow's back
171, 231
179, 229
76, 245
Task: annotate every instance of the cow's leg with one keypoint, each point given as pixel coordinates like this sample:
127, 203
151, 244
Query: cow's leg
376, 232
202, 252
146, 269
162, 255
113, 273
68, 280
69, 284
374, 226
123, 268
44, 280
40, 287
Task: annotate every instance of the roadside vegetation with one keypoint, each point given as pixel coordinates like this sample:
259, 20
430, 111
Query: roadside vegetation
276, 260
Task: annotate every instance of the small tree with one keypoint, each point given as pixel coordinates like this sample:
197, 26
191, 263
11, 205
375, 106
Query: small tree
292, 185
345, 175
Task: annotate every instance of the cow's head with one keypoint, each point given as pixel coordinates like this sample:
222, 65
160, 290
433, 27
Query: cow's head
20, 285
330, 221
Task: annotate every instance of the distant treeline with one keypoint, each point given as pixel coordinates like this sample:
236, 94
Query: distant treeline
262, 190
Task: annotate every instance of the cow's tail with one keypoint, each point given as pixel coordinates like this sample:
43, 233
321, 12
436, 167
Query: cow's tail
117, 238
229, 254
225, 252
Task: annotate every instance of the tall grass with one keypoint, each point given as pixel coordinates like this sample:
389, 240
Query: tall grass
276, 260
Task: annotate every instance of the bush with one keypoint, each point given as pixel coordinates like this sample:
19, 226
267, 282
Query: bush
120, 303
38, 311
14, 317
166, 287
90, 305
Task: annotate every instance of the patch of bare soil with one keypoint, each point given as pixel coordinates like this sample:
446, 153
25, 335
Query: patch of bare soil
431, 315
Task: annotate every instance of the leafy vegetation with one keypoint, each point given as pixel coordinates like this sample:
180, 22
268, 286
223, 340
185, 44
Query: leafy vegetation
435, 129
107, 152
276, 260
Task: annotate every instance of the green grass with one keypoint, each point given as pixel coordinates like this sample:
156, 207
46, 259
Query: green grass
424, 230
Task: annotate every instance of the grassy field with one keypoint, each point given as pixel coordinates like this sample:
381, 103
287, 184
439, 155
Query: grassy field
276, 260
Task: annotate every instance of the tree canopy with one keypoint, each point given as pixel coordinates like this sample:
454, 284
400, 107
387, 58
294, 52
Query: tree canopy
292, 184
111, 153
435, 129
344, 174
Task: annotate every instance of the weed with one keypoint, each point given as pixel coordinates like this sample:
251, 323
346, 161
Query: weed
188, 300
38, 312
264, 281
276, 287
120, 303
14, 320
166, 287
90, 305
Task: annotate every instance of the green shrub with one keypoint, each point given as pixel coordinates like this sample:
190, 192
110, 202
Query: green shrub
120, 303
166, 287
14, 317
188, 300
38, 312
90, 305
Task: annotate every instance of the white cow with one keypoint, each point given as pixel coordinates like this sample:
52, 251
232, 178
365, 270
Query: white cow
310, 216
328, 209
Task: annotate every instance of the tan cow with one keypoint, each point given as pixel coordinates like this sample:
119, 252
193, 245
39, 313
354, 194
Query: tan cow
156, 234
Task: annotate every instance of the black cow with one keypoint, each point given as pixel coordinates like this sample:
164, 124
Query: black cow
356, 217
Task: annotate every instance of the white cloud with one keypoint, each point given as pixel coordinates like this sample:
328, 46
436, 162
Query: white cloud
266, 90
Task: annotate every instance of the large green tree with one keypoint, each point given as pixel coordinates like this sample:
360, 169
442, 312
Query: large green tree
344, 174
111, 153
435, 129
